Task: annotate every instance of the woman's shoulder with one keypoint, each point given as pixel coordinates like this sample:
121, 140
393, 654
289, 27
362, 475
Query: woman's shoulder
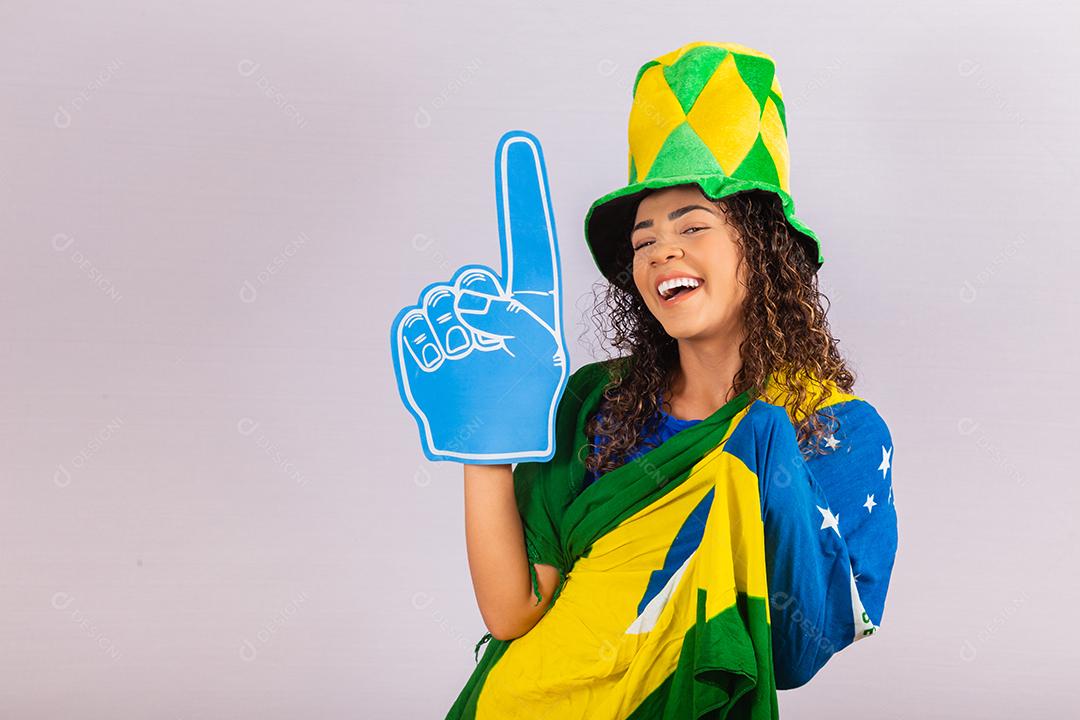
827, 398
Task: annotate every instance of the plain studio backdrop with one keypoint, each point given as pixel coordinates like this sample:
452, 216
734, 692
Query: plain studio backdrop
214, 504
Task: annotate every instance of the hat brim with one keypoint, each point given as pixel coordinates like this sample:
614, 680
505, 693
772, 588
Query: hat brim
608, 222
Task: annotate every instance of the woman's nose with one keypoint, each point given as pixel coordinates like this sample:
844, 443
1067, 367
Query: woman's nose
667, 250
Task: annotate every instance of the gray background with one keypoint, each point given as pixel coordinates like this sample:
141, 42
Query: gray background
214, 505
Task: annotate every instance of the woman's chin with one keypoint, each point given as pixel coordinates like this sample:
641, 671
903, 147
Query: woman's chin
683, 329
696, 329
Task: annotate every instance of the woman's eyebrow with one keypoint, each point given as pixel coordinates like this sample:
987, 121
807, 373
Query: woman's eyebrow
673, 215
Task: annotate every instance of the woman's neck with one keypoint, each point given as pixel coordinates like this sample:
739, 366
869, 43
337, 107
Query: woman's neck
703, 379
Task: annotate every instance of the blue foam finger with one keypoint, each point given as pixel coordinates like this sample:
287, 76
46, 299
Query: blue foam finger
530, 255
494, 399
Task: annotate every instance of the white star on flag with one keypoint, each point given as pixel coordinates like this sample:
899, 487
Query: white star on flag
884, 466
832, 442
829, 520
869, 504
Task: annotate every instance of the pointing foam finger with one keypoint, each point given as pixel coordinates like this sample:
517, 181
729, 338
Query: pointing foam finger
526, 219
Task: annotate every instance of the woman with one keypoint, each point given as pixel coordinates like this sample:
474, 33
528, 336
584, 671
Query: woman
718, 520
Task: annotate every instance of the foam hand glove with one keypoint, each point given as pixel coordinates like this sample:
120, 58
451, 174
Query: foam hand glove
481, 359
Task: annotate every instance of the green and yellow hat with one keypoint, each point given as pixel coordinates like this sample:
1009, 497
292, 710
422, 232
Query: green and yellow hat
707, 113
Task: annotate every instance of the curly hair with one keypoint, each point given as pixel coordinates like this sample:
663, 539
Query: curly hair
788, 337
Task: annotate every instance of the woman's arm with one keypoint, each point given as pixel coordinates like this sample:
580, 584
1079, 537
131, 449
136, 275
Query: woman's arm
495, 542
830, 540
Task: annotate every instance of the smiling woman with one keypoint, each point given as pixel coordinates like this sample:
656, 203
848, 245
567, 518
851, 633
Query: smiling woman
685, 544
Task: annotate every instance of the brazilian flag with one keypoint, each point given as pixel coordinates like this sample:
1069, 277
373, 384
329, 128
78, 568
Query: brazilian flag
701, 576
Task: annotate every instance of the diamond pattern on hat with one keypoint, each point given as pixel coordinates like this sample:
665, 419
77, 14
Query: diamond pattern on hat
733, 104
684, 153
757, 165
777, 96
688, 75
757, 73
727, 116
655, 113
774, 137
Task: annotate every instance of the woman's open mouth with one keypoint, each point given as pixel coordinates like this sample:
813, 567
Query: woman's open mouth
680, 293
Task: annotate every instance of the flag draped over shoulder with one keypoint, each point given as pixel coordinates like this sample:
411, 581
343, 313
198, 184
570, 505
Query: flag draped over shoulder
700, 577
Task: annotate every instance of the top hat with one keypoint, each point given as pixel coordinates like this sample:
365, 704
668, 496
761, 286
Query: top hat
707, 113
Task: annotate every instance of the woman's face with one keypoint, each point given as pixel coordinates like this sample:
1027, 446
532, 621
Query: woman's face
679, 233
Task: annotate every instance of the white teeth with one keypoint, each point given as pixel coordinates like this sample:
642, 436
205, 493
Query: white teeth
665, 287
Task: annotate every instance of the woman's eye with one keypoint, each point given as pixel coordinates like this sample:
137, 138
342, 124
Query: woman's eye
649, 242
